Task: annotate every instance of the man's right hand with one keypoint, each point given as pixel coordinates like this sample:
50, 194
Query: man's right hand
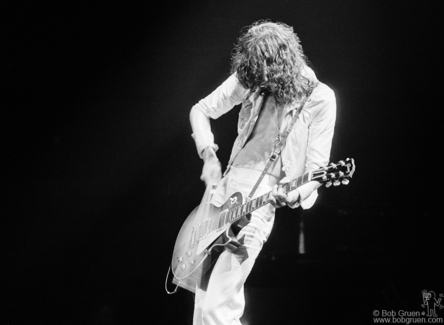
212, 171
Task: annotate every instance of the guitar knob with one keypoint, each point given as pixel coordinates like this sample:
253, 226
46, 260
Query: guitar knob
328, 184
191, 262
182, 267
189, 253
180, 259
345, 181
336, 183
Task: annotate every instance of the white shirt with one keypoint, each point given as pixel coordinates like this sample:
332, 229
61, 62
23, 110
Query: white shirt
307, 146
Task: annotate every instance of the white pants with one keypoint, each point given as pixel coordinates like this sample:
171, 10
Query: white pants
223, 302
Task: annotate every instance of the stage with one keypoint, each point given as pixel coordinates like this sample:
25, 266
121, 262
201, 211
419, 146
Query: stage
101, 169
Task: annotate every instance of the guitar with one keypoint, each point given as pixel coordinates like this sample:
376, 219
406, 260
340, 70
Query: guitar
200, 235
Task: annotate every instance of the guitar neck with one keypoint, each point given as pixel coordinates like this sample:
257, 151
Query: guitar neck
238, 212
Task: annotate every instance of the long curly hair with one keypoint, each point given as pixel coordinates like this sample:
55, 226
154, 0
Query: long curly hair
269, 56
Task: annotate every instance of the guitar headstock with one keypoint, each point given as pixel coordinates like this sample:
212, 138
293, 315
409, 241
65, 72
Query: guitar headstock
335, 174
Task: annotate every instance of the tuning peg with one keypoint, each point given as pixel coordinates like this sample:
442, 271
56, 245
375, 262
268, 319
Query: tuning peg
328, 184
332, 175
345, 181
336, 182
341, 162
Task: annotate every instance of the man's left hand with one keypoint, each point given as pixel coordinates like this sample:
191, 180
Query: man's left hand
279, 198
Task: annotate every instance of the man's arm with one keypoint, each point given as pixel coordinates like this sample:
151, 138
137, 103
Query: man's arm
320, 136
220, 101
211, 171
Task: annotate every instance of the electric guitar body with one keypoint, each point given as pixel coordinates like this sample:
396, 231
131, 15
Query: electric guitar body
200, 236
209, 229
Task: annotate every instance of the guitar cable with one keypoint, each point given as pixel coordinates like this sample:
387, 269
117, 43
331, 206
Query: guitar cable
166, 283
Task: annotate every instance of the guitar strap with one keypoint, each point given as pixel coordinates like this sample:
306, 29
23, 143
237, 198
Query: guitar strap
280, 141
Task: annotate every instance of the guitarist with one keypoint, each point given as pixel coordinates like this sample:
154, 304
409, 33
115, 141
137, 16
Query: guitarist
270, 78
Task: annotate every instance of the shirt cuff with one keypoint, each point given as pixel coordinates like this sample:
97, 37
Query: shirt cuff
296, 203
310, 200
307, 196
201, 144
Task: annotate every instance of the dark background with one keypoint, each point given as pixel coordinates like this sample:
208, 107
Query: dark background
101, 170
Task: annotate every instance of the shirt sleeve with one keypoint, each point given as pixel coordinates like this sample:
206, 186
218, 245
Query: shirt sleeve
220, 101
320, 136
321, 130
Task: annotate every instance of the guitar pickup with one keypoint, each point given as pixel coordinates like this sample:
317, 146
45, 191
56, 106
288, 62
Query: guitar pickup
203, 229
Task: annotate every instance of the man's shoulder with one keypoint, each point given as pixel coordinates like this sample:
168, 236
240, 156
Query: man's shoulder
323, 92
323, 101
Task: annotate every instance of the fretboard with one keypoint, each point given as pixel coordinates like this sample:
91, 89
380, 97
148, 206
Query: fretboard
234, 214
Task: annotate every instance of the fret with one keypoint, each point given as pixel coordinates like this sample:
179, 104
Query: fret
221, 222
264, 199
244, 210
299, 181
286, 187
237, 215
230, 215
258, 203
252, 205
306, 177
293, 184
